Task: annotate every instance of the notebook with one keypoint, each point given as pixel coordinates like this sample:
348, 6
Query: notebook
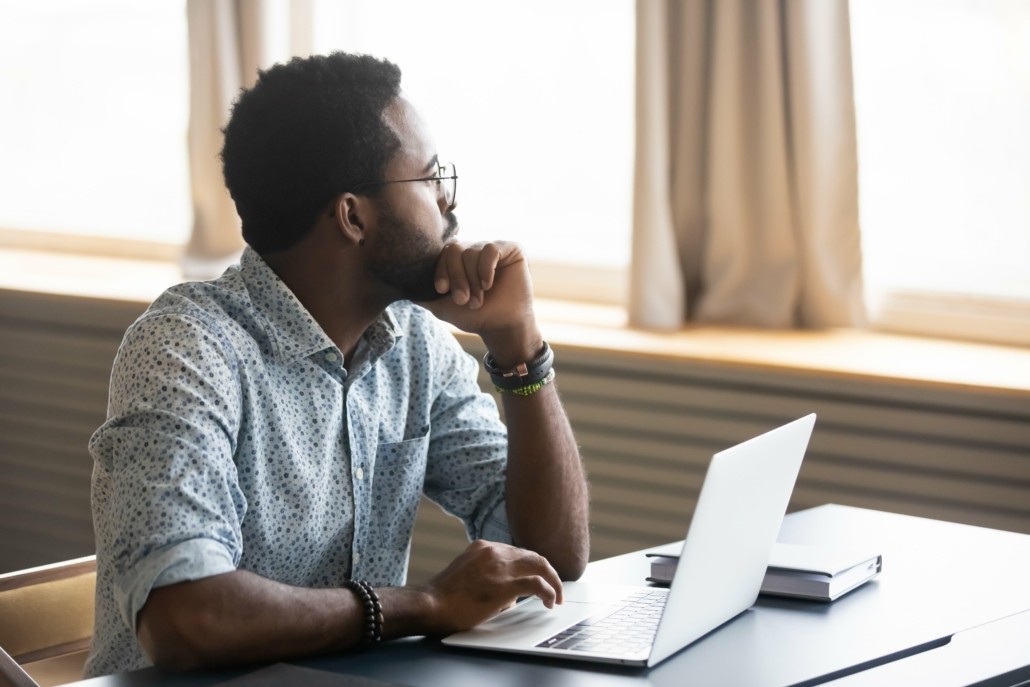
723, 561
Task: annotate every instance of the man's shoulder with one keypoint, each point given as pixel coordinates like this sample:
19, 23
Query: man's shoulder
221, 306
217, 296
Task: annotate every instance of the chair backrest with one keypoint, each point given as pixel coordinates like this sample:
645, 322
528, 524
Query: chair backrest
47, 611
12, 674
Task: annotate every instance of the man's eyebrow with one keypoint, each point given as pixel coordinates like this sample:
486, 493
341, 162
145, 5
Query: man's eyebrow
432, 166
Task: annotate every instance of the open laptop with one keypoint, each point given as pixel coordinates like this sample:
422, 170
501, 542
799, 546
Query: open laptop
724, 558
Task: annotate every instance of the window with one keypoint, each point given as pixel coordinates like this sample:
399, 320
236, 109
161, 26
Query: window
942, 92
533, 101
539, 119
95, 144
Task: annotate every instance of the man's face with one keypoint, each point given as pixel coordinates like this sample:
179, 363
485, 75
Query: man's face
413, 223
404, 258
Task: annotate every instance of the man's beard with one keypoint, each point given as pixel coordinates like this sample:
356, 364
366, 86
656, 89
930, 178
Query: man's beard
409, 270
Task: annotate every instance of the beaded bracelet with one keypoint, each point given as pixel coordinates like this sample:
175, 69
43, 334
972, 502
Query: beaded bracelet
529, 389
373, 609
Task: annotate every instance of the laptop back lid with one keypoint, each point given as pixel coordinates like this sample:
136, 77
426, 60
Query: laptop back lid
731, 535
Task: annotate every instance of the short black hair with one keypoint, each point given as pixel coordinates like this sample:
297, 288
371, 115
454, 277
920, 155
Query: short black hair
306, 131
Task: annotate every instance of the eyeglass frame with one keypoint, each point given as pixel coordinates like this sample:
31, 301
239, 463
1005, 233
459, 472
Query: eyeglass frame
439, 172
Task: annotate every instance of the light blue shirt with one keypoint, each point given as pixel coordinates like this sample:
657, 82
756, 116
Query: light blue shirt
236, 439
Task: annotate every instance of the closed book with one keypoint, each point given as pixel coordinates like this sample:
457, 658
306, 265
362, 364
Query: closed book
808, 572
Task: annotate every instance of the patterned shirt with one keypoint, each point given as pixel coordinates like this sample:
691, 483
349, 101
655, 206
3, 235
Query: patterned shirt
236, 439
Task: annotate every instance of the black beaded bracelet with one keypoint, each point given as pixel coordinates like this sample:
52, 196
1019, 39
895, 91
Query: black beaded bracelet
523, 374
373, 609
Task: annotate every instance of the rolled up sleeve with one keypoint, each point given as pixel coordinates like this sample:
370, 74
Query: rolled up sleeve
181, 562
164, 462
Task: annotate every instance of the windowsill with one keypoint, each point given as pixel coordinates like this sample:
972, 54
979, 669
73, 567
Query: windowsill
842, 353
86, 276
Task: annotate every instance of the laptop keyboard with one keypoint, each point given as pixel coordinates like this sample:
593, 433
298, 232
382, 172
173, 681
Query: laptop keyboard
628, 630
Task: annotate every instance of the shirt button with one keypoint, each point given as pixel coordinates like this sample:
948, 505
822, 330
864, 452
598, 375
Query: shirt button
331, 357
357, 558
360, 473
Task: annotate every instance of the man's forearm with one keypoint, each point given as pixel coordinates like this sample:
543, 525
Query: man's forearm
546, 485
491, 295
241, 617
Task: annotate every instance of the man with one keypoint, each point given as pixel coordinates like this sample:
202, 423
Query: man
269, 433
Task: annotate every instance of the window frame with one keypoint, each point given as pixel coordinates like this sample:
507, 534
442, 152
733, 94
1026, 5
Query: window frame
932, 310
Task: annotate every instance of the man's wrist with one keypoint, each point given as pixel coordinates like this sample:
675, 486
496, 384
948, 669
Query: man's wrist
373, 611
509, 349
409, 611
524, 378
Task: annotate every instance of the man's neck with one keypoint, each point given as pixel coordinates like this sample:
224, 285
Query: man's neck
330, 284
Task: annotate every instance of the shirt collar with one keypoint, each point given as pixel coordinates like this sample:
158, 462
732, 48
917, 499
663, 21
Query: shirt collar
293, 331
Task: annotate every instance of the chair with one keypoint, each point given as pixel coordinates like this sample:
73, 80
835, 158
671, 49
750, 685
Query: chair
46, 622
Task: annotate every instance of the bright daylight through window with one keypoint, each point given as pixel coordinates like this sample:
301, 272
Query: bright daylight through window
533, 101
538, 116
943, 104
96, 144
539, 119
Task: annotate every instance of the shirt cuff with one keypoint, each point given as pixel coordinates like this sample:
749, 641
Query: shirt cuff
495, 525
189, 560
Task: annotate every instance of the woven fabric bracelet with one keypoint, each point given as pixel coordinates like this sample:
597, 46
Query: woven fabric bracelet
373, 609
529, 389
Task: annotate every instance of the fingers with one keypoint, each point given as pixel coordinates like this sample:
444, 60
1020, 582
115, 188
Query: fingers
450, 274
467, 272
545, 583
470, 262
487, 578
487, 265
530, 574
535, 585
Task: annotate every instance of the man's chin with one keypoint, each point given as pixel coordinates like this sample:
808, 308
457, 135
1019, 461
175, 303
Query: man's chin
420, 284
423, 295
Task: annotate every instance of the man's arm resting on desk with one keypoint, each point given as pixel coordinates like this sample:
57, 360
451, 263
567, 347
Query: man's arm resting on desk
546, 486
241, 617
491, 295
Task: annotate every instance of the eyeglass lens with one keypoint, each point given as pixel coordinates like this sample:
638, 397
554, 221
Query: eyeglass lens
449, 179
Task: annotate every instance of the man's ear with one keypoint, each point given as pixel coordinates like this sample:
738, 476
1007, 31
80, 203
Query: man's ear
352, 213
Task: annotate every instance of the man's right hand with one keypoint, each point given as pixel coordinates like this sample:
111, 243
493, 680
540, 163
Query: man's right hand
486, 579
241, 617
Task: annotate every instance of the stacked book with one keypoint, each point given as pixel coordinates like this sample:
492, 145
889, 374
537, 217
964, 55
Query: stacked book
807, 572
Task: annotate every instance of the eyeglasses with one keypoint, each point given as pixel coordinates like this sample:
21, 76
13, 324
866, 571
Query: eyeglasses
446, 179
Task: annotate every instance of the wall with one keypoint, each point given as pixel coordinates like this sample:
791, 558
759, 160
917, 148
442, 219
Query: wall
647, 425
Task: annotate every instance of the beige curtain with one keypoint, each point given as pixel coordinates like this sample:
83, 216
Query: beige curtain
746, 191
229, 41
223, 47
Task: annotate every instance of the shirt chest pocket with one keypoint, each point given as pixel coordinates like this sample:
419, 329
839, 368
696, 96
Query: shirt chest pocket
400, 470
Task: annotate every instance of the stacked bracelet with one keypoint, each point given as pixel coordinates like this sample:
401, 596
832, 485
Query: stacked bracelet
529, 389
373, 609
523, 375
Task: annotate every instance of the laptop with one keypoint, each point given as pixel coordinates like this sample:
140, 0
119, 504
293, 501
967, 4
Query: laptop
725, 554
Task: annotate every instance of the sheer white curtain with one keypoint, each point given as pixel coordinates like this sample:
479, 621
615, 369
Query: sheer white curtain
745, 195
230, 40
